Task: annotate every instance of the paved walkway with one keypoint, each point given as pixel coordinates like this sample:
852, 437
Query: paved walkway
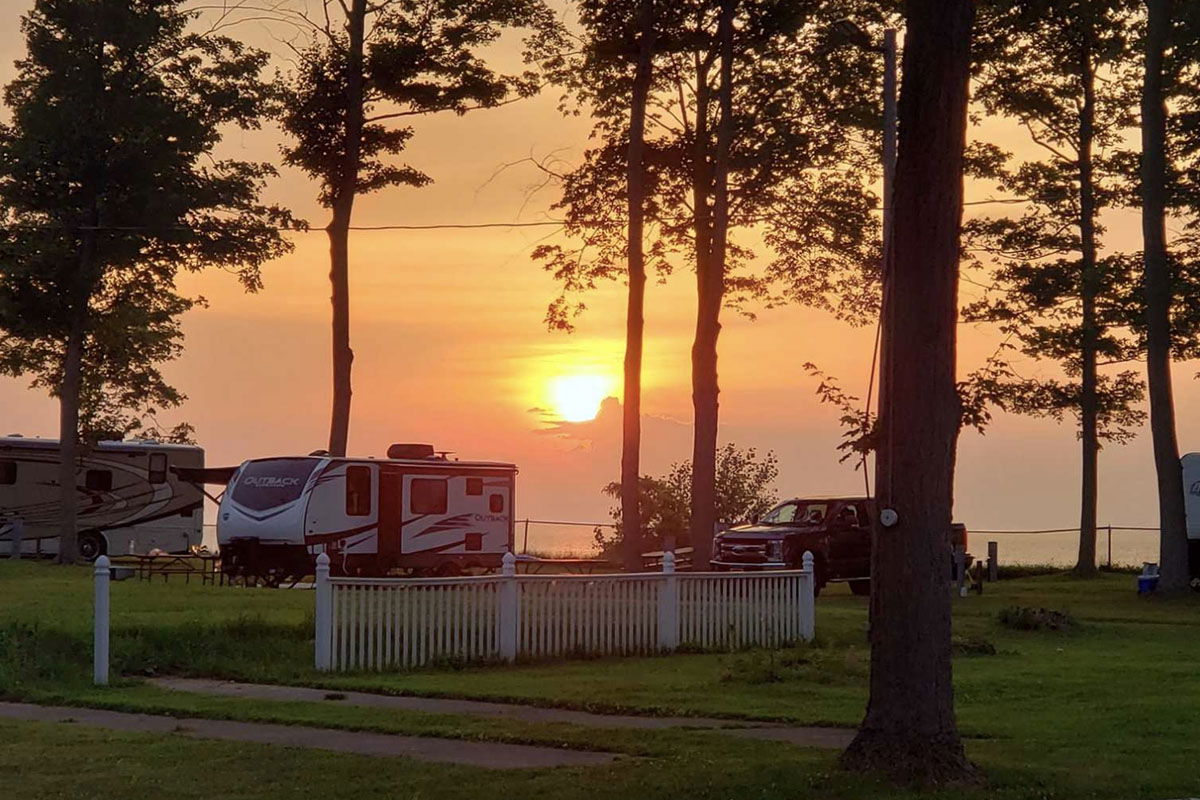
828, 738
489, 755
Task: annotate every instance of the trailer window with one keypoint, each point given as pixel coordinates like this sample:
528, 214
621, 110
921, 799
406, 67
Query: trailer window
496, 503
273, 482
8, 473
358, 491
427, 496
158, 468
98, 480
475, 486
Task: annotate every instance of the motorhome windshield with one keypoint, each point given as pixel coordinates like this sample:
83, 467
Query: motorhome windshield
267, 484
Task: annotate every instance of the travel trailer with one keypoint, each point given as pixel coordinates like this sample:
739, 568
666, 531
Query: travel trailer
1191, 495
130, 497
415, 512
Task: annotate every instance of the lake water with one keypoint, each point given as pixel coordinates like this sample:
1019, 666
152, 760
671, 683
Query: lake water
1128, 546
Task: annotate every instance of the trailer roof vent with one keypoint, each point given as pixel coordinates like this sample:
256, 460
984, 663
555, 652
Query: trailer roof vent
410, 451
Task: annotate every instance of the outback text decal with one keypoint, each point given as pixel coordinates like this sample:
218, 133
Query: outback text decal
269, 481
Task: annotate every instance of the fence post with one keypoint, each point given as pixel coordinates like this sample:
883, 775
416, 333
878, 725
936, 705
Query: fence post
668, 605
510, 612
993, 562
324, 615
100, 623
1110, 546
808, 599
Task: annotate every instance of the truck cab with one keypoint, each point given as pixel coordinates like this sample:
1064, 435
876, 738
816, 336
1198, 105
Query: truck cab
836, 530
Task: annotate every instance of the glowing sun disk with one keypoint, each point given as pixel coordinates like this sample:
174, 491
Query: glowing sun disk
577, 398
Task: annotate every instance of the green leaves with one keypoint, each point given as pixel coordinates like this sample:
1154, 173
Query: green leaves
108, 189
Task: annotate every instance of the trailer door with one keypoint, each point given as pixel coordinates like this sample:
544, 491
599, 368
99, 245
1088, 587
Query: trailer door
391, 512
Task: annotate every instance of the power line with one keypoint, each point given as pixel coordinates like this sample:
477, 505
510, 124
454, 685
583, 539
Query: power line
290, 229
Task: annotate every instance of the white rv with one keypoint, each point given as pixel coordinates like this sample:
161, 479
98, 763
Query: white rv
130, 497
414, 512
1191, 499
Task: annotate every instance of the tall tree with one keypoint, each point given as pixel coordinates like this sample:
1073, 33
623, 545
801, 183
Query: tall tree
910, 731
367, 66
1172, 518
751, 130
108, 188
635, 326
1063, 69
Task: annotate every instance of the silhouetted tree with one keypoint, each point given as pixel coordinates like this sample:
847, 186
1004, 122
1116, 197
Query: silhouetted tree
745, 491
366, 67
750, 128
108, 188
1064, 69
910, 731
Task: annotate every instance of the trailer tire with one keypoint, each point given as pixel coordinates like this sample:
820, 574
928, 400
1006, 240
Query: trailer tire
448, 569
861, 588
91, 546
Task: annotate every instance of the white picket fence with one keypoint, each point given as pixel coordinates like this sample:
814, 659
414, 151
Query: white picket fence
382, 623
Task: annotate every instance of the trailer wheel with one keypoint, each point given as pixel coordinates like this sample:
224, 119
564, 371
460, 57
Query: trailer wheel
861, 588
448, 569
91, 546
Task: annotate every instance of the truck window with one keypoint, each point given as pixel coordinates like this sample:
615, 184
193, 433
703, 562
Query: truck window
157, 471
8, 473
98, 480
358, 491
427, 496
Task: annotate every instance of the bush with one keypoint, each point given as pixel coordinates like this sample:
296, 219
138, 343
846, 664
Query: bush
1022, 618
972, 646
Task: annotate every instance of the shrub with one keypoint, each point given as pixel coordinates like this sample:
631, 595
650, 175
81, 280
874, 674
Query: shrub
1022, 618
972, 646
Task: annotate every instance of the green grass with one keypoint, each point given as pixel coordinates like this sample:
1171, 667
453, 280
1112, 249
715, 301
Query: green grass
1106, 710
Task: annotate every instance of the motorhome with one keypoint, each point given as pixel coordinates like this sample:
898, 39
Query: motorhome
415, 512
129, 496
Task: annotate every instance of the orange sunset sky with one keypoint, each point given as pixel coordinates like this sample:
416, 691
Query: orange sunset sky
451, 348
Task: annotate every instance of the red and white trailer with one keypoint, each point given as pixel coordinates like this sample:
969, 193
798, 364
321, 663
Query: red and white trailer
415, 512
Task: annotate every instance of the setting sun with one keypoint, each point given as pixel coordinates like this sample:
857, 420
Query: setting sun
577, 398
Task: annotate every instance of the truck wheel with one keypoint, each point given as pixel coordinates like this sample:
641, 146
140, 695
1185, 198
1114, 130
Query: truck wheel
91, 546
861, 588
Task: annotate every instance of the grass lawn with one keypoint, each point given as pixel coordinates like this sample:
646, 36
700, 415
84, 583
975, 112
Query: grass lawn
1107, 710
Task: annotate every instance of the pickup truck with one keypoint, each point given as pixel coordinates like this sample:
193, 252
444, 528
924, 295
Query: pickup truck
836, 529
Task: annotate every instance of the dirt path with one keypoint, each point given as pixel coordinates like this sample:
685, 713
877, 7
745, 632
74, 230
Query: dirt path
828, 738
489, 755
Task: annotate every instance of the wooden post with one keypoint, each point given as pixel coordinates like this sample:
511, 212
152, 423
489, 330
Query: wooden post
993, 562
100, 622
510, 612
668, 605
1110, 546
324, 615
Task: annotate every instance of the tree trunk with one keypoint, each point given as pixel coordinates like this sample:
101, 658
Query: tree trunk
1089, 403
631, 432
339, 231
1173, 543
68, 442
704, 345
909, 731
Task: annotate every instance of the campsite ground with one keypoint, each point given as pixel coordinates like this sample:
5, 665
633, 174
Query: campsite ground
1105, 710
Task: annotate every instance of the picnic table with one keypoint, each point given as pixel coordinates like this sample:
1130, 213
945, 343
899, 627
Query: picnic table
149, 565
536, 565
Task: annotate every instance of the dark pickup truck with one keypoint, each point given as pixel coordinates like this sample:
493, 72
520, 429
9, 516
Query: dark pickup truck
836, 529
